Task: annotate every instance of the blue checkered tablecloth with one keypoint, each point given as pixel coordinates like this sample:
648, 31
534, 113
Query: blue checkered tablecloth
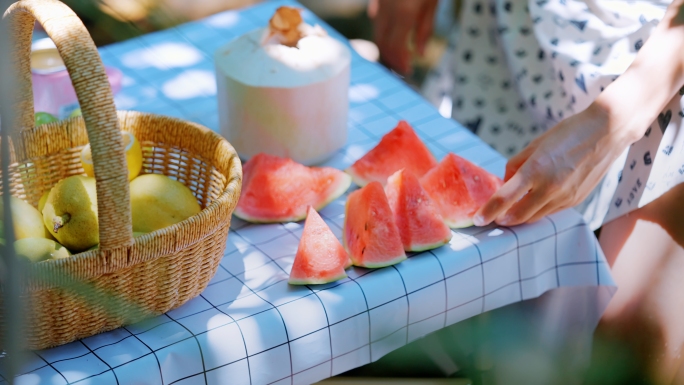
249, 326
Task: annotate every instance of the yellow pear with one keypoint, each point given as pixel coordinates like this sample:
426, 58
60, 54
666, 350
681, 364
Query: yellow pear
41, 202
40, 249
132, 150
28, 223
158, 201
70, 213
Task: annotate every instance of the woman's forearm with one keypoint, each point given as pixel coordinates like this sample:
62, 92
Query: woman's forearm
634, 100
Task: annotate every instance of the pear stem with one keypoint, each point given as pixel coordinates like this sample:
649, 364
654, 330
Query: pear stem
59, 222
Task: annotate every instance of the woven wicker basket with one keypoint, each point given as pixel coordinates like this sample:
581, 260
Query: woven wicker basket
126, 279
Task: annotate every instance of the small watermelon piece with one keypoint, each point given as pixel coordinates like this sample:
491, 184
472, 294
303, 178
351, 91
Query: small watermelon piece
420, 225
370, 235
399, 149
458, 188
278, 189
320, 258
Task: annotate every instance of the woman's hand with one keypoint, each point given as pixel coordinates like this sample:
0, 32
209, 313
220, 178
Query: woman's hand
394, 21
560, 168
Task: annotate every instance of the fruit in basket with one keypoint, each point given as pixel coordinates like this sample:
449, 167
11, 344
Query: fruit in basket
420, 225
70, 213
399, 149
158, 201
320, 258
370, 235
40, 249
44, 118
43, 199
458, 189
75, 113
278, 189
28, 223
132, 150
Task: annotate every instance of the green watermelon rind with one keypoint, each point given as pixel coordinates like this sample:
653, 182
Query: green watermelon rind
390, 262
302, 282
462, 224
419, 248
249, 219
345, 182
342, 188
356, 178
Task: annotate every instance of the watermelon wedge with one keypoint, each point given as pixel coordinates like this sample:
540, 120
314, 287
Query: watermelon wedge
370, 235
458, 188
320, 257
420, 225
278, 189
399, 149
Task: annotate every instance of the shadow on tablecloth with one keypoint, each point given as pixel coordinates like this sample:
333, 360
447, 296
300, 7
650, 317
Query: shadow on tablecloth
546, 340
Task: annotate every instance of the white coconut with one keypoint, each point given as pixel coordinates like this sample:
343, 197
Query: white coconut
282, 100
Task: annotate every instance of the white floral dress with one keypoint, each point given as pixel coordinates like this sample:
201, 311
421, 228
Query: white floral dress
515, 68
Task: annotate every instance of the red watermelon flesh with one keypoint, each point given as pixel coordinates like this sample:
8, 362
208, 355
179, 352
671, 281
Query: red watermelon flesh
458, 189
399, 149
278, 189
420, 225
320, 257
370, 235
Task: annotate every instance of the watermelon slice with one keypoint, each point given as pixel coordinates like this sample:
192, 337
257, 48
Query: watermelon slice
458, 189
280, 190
320, 257
399, 149
420, 225
370, 235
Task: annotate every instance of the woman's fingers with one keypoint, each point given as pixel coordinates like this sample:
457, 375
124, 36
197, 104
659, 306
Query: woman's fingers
525, 208
381, 24
424, 25
517, 160
372, 8
394, 20
514, 189
397, 55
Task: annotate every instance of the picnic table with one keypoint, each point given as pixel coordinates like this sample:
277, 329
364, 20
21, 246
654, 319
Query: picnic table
249, 326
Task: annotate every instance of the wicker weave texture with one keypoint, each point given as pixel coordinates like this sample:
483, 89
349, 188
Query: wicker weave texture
126, 279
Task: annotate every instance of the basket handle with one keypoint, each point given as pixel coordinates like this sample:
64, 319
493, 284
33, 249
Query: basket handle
97, 105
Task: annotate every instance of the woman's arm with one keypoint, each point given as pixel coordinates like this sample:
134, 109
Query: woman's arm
561, 167
654, 77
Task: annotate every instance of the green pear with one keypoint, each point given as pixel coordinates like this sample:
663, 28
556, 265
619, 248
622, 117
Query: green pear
70, 213
44, 118
40, 249
27, 221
